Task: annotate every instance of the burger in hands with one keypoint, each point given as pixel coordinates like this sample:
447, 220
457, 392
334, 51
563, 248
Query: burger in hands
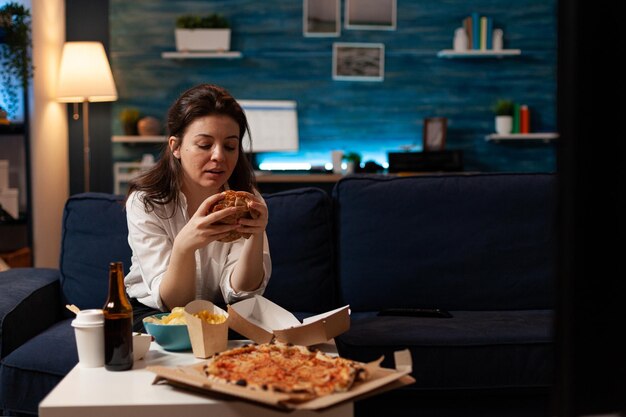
234, 199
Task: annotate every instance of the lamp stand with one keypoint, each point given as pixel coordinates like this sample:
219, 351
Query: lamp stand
86, 150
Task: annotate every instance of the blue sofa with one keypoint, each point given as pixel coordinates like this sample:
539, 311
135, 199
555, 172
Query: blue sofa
481, 246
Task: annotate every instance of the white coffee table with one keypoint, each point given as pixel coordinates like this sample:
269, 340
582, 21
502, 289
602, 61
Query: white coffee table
97, 392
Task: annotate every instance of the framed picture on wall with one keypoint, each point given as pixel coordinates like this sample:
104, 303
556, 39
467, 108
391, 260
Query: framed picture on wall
370, 14
434, 133
321, 18
358, 61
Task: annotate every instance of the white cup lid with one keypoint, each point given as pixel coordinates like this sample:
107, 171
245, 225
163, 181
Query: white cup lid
89, 318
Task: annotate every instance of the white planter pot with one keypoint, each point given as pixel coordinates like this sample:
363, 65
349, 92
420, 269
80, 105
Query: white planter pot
202, 40
504, 125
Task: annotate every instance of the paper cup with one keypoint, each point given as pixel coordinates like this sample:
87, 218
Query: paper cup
337, 157
89, 330
206, 339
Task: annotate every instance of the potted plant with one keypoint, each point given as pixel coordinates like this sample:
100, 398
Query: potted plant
129, 117
202, 33
503, 109
353, 161
15, 59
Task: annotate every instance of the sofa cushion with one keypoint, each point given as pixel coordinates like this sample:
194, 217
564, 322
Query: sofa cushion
457, 242
94, 234
474, 349
300, 235
27, 295
32, 371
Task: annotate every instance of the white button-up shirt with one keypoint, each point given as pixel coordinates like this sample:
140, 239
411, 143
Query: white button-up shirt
151, 237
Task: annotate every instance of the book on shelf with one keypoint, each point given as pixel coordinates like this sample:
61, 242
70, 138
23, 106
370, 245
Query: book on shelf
524, 118
489, 32
515, 118
479, 31
467, 24
483, 33
475, 30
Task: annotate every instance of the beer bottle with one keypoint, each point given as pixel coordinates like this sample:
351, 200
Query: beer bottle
118, 323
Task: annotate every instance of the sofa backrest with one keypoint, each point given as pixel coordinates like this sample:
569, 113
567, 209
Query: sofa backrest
299, 230
458, 242
94, 233
300, 233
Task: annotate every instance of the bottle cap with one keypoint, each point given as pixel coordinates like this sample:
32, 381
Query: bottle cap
89, 318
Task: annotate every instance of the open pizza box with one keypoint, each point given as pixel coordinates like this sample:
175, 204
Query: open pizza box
380, 380
261, 320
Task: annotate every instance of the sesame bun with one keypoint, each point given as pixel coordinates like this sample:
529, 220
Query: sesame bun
234, 199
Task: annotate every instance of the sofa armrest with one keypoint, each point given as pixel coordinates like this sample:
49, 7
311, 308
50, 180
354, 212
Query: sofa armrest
30, 300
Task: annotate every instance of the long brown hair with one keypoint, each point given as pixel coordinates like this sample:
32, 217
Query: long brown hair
161, 183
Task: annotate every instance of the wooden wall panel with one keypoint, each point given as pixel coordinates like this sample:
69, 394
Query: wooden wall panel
369, 117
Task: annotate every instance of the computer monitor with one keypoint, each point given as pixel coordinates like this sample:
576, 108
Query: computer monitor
273, 125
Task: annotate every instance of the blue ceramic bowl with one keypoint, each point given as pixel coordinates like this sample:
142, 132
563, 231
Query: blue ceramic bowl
173, 337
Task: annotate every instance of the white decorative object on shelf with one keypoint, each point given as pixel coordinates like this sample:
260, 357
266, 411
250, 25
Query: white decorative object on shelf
191, 55
544, 136
477, 53
202, 40
497, 39
336, 158
504, 124
460, 40
147, 160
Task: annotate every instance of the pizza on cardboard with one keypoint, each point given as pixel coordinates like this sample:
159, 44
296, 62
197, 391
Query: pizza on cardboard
281, 344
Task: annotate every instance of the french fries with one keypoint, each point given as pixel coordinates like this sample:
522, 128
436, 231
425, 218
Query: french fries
210, 318
177, 316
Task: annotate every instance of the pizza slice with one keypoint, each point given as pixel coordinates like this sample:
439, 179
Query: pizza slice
298, 371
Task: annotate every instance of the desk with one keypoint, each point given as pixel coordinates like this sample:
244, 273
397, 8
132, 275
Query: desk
272, 183
97, 392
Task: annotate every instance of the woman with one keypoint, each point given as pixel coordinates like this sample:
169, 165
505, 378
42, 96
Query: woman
176, 253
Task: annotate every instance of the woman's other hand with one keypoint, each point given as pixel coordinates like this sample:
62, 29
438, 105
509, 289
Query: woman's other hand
204, 228
257, 224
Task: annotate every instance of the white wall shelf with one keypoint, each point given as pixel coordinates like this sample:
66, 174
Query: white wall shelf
138, 139
512, 137
477, 53
201, 55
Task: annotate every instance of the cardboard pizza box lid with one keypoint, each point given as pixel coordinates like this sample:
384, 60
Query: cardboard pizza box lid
206, 338
261, 320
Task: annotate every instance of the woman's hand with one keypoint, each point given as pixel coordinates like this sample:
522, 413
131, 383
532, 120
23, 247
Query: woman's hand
203, 228
257, 224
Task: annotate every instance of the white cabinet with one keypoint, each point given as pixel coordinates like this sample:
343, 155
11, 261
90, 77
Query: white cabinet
123, 172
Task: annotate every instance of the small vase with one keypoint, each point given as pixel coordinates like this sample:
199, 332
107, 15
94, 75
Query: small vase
460, 40
149, 126
504, 125
130, 128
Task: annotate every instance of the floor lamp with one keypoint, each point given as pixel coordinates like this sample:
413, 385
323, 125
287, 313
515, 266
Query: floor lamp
85, 76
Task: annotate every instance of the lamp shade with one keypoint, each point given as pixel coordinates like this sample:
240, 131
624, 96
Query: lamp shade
85, 74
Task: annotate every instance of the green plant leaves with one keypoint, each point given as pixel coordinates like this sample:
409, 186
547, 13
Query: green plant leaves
15, 59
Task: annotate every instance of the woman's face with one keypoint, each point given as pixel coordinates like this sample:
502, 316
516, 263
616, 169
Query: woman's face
208, 152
